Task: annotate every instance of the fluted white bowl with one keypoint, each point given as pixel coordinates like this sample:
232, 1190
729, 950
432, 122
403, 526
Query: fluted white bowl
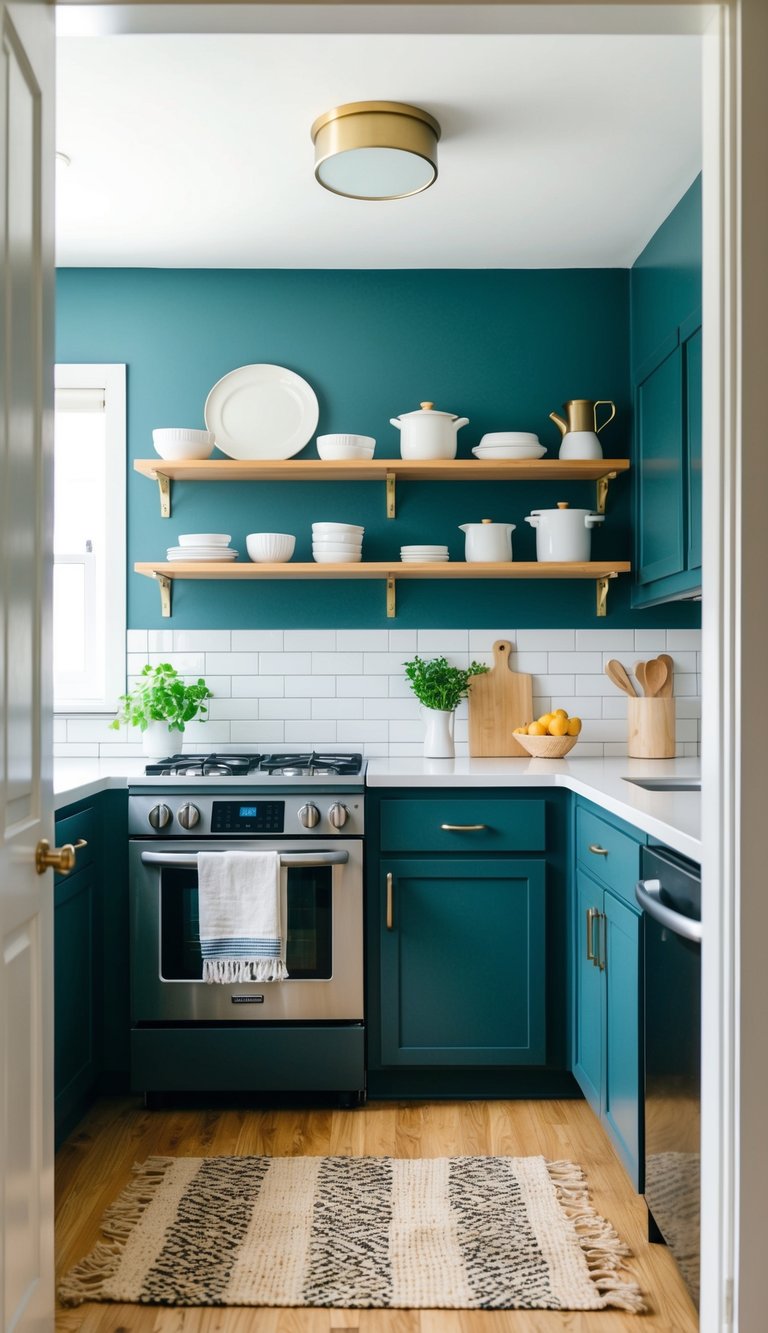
345, 446
270, 547
173, 443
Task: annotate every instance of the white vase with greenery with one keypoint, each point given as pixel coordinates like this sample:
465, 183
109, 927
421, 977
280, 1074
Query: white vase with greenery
161, 703
439, 688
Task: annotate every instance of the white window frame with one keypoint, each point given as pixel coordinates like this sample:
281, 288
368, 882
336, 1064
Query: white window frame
111, 379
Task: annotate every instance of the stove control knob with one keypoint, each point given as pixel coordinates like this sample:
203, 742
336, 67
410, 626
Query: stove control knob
338, 815
160, 816
188, 816
309, 815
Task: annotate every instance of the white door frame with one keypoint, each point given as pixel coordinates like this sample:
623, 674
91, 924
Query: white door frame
735, 627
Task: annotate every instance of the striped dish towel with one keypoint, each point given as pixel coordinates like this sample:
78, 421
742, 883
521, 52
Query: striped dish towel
239, 899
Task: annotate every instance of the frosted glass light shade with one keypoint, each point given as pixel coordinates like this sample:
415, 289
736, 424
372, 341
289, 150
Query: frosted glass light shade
376, 150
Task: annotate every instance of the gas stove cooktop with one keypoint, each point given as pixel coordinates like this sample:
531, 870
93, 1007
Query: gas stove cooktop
307, 765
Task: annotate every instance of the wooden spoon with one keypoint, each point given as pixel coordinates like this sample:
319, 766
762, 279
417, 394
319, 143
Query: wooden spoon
618, 674
640, 674
666, 690
656, 673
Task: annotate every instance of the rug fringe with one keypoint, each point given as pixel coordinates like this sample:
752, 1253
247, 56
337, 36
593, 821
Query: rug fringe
85, 1282
602, 1247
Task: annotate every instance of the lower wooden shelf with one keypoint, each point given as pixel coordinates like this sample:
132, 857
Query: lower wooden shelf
601, 571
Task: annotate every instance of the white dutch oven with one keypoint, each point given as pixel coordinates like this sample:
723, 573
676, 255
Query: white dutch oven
563, 534
428, 434
487, 541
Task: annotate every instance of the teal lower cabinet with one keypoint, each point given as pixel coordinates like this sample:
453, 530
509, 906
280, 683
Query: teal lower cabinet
607, 1029
76, 973
463, 961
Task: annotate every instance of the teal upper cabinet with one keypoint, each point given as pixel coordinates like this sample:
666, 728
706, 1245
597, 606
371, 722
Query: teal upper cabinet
666, 380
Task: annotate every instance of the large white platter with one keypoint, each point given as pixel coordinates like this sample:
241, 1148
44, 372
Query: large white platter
261, 411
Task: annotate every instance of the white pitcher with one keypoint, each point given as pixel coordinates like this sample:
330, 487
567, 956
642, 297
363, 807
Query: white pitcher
487, 541
438, 735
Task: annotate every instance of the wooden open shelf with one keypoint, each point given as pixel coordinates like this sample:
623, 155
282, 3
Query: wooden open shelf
602, 571
388, 470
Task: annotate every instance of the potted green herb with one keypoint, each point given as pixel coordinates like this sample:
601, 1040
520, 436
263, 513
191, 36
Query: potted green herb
160, 702
439, 688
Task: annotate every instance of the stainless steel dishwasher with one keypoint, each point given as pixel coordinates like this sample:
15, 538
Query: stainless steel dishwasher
670, 895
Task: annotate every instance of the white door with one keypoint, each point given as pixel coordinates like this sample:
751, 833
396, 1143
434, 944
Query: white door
26, 898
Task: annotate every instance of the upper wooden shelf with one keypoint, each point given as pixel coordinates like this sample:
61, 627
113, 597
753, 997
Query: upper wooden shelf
388, 470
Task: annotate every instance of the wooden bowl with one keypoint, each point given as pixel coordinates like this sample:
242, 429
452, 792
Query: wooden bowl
547, 747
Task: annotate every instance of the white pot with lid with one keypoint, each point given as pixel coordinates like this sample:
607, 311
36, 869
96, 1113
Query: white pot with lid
487, 541
563, 534
427, 433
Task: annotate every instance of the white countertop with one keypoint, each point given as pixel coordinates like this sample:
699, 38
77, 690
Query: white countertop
672, 817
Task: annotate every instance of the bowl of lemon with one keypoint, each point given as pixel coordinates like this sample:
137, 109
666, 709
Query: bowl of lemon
551, 736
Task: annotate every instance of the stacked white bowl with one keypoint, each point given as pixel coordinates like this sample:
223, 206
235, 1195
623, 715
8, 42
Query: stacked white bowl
345, 446
202, 546
509, 444
419, 555
337, 543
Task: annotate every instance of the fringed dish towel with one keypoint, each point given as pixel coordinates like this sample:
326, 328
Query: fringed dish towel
239, 897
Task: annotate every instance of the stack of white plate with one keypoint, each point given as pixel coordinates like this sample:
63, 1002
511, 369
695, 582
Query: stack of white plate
337, 543
509, 444
419, 555
202, 546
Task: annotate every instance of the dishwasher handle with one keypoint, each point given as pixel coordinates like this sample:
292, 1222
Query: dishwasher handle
647, 893
189, 862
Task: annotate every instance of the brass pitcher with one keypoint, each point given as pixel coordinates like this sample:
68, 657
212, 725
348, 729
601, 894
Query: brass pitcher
582, 415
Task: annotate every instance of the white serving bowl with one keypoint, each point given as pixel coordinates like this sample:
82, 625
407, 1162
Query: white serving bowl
336, 539
174, 443
346, 446
204, 538
336, 453
336, 555
498, 451
496, 437
336, 529
270, 547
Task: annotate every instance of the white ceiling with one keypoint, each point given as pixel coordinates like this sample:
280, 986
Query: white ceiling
194, 150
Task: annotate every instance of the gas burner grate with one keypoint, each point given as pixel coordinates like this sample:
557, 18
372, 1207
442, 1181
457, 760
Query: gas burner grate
311, 764
204, 765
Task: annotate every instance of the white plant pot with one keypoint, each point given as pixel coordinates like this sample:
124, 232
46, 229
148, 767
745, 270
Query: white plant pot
156, 740
438, 735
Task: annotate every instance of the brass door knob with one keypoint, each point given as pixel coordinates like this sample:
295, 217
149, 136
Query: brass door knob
60, 859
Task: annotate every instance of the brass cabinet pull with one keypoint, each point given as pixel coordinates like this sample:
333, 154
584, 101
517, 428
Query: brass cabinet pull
598, 851
592, 913
463, 828
601, 934
390, 902
60, 859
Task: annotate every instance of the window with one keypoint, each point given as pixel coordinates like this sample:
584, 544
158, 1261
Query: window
89, 538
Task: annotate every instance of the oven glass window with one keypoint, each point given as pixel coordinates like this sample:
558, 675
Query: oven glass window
309, 925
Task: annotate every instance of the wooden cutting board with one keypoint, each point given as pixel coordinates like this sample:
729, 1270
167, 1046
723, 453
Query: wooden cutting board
499, 701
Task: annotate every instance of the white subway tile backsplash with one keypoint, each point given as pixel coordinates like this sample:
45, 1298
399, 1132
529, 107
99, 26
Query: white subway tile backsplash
68, 750
348, 687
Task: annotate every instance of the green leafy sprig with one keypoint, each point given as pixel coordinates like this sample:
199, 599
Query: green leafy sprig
437, 684
160, 695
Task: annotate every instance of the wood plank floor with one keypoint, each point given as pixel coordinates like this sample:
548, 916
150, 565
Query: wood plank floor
95, 1164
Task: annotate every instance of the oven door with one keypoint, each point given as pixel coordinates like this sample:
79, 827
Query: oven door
321, 914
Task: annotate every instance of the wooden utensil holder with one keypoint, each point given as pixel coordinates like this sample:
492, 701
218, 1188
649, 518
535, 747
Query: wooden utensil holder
651, 728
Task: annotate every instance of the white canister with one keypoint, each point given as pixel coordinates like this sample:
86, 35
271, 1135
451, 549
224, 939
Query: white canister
563, 534
487, 541
427, 433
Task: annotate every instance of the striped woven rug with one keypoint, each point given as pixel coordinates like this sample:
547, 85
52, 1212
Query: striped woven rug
497, 1233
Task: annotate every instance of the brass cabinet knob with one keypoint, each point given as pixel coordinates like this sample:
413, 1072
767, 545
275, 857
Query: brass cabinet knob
60, 859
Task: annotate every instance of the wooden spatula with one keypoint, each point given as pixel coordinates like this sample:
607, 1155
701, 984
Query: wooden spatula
640, 674
620, 677
667, 688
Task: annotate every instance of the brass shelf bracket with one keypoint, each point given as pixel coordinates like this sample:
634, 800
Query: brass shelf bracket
602, 490
164, 484
391, 485
165, 594
391, 609
602, 593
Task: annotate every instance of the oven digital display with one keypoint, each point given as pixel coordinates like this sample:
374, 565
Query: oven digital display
233, 817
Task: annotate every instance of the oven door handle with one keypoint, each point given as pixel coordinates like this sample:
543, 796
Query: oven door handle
647, 893
189, 862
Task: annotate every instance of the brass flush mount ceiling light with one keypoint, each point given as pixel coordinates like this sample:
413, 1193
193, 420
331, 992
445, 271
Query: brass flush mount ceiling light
376, 150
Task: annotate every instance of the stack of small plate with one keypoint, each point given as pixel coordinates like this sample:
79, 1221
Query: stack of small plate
202, 546
509, 444
419, 555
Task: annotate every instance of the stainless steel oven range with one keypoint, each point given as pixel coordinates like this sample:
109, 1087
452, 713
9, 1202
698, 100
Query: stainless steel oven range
302, 1034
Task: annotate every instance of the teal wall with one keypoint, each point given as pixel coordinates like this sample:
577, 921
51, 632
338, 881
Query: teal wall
501, 347
665, 280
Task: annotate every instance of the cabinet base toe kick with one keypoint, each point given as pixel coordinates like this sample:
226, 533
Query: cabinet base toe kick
265, 1059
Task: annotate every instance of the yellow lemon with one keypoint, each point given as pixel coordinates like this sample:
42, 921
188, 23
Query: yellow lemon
520, 731
545, 719
559, 712
574, 726
537, 729
558, 726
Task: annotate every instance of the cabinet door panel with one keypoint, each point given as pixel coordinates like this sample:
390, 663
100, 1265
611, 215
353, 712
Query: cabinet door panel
463, 967
588, 1034
660, 538
74, 1018
623, 1085
693, 385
